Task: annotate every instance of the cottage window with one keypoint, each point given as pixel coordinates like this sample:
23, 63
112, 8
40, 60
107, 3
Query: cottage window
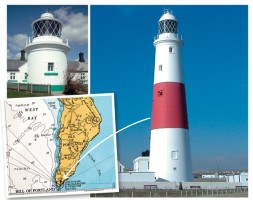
82, 76
12, 76
26, 75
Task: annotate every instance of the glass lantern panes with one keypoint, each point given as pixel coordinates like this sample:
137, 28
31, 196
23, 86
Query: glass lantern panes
47, 27
167, 26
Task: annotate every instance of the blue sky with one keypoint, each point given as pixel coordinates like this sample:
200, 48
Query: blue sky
215, 62
74, 18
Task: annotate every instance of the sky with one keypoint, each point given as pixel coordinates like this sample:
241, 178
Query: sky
215, 64
75, 27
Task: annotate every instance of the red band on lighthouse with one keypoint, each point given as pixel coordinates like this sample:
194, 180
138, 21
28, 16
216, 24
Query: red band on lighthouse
169, 106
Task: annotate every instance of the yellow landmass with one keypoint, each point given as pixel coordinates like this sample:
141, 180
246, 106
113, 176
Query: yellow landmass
80, 123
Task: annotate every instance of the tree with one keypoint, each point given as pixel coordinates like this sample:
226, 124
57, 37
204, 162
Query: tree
73, 85
145, 153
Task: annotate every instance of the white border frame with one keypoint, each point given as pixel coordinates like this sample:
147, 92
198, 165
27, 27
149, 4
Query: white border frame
3, 59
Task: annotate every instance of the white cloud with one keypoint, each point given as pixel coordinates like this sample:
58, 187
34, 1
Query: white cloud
17, 42
75, 25
14, 55
9, 54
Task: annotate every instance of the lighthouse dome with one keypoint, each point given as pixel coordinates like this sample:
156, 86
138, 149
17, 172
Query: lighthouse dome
47, 15
167, 16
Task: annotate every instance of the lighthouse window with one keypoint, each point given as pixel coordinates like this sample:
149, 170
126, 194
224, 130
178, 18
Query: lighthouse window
12, 76
174, 169
160, 92
47, 27
160, 68
171, 50
167, 26
174, 155
50, 67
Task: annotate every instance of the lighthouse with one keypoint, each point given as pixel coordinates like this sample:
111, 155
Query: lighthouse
170, 152
47, 53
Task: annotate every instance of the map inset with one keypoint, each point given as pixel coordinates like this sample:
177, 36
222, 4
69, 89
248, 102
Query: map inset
60, 145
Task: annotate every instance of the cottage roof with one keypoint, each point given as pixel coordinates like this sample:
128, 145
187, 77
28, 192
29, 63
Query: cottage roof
13, 65
76, 66
73, 66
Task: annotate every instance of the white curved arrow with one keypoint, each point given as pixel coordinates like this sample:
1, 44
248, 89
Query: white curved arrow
66, 175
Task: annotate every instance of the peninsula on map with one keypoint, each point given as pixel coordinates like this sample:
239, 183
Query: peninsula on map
80, 123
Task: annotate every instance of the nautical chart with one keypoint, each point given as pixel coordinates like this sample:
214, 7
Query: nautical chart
60, 145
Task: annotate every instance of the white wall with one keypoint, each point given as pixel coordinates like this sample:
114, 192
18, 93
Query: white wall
44, 50
141, 164
23, 70
163, 142
244, 177
38, 66
121, 167
137, 176
233, 178
186, 185
209, 176
77, 76
19, 75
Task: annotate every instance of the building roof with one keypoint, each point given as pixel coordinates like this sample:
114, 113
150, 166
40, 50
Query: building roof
76, 66
13, 65
73, 66
161, 180
142, 158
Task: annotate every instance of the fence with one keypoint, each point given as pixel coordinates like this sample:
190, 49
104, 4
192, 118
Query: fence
40, 88
238, 192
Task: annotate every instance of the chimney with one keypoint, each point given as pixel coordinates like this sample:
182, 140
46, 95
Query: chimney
81, 59
22, 57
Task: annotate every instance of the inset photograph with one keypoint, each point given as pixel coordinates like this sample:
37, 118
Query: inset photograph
47, 50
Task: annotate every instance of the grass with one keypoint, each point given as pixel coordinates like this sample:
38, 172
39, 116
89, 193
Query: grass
21, 94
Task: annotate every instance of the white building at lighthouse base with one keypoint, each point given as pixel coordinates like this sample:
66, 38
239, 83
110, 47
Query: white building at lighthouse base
139, 173
141, 178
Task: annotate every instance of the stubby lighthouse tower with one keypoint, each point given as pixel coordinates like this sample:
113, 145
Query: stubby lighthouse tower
170, 153
47, 53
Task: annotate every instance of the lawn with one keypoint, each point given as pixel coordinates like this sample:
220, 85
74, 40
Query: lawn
21, 94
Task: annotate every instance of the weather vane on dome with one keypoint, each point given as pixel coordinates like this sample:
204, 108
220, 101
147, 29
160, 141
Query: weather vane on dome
48, 10
165, 10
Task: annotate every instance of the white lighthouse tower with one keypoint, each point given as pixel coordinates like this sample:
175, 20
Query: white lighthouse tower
170, 153
47, 53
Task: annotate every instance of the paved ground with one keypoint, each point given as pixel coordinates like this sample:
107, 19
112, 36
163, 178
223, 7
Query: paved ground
61, 94
57, 94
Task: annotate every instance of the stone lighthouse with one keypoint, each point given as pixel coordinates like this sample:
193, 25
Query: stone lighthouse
47, 53
170, 152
